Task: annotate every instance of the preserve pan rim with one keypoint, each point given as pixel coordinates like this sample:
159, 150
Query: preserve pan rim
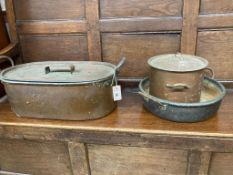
188, 105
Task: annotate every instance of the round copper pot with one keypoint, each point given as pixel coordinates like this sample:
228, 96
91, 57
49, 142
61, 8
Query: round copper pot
179, 79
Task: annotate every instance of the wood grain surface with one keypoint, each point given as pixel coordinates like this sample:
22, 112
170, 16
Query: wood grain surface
131, 117
94, 19
216, 6
45, 47
137, 48
221, 163
34, 157
189, 29
216, 21
52, 27
216, 47
48, 10
107, 159
132, 8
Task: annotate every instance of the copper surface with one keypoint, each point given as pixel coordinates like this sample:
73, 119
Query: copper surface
162, 82
67, 102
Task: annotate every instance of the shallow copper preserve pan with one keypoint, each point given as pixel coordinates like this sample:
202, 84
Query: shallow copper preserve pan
68, 90
211, 97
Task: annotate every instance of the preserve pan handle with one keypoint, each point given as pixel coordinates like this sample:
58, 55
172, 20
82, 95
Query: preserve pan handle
162, 106
2, 99
49, 70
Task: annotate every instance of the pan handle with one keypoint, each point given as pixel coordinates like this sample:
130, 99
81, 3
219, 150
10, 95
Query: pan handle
2, 99
49, 70
162, 106
122, 61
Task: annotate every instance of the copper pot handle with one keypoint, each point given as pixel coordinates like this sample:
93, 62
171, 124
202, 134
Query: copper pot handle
49, 70
177, 86
211, 71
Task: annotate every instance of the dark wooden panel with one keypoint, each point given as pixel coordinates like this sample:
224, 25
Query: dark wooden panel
215, 21
221, 163
47, 158
51, 27
54, 47
93, 33
105, 160
122, 8
198, 163
137, 48
216, 6
78, 158
216, 46
145, 24
189, 29
45, 10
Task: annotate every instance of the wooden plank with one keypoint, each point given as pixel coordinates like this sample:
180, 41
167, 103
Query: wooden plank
79, 158
129, 122
137, 47
49, 10
221, 163
11, 21
120, 138
34, 157
93, 33
216, 47
11, 173
107, 159
146, 8
141, 24
216, 6
215, 21
198, 163
189, 29
51, 27
54, 47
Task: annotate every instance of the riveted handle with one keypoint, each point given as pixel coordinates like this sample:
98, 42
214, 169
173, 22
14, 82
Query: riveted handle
177, 86
162, 106
211, 72
49, 70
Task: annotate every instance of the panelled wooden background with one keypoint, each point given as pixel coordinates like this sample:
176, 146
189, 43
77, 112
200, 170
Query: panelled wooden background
109, 29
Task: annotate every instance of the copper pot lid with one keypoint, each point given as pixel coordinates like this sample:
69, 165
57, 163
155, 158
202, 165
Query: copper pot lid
59, 72
178, 62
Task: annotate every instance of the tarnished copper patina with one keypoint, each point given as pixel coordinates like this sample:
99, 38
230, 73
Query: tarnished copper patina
177, 77
68, 90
